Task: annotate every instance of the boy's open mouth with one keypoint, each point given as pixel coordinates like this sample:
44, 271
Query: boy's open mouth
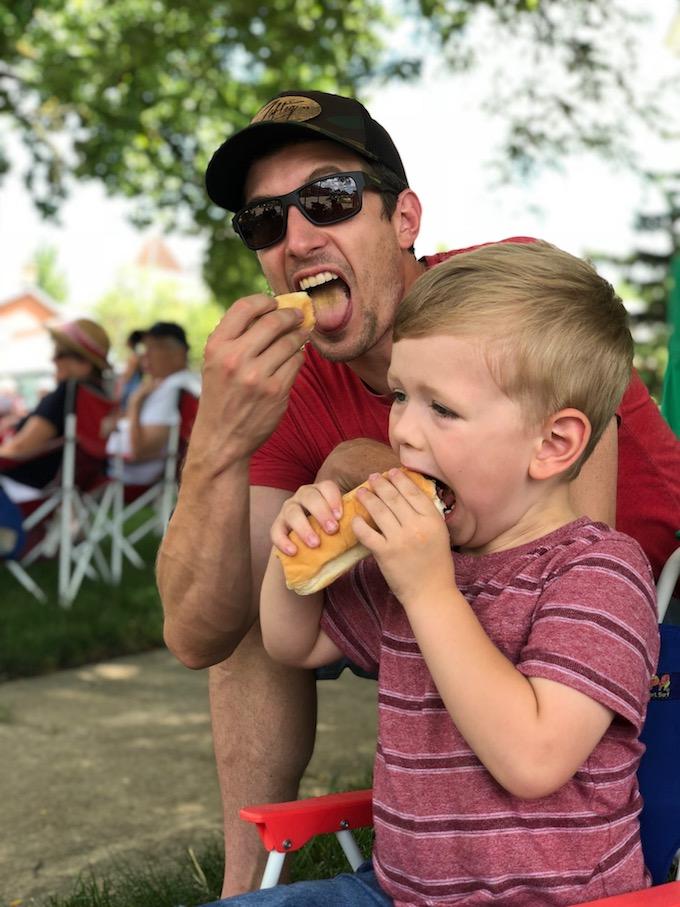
445, 495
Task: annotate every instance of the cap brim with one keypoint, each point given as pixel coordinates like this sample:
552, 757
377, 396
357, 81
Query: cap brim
65, 341
226, 173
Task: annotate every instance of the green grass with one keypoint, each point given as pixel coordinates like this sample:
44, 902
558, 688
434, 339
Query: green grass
193, 877
103, 622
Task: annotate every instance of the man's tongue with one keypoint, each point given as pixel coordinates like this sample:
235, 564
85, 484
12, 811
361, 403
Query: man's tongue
330, 301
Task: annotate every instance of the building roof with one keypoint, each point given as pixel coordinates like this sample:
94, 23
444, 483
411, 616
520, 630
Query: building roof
155, 254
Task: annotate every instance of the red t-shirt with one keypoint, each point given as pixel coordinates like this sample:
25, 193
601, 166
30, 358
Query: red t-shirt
577, 607
330, 404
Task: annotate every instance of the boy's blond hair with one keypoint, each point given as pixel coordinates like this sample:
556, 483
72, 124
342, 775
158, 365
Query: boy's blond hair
554, 332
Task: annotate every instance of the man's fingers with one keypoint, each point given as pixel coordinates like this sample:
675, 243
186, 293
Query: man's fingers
258, 318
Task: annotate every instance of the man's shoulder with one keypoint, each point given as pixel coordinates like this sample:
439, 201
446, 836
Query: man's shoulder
438, 257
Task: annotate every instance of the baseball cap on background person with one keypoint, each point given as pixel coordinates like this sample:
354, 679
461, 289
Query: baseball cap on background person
290, 115
84, 337
167, 329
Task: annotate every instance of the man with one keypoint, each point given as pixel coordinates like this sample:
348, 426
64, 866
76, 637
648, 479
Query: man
324, 200
152, 409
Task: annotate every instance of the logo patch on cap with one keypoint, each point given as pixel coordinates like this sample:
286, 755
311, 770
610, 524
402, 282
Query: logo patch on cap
281, 110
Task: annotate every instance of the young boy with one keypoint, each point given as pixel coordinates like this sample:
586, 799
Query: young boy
513, 671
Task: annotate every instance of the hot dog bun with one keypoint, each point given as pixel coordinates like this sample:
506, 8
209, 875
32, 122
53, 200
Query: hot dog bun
298, 301
312, 569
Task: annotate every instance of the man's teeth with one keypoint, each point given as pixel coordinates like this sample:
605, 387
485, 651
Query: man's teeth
316, 280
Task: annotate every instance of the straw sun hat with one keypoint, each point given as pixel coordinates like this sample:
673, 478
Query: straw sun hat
85, 337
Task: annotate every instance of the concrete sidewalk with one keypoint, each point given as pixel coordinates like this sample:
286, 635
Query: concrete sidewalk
115, 761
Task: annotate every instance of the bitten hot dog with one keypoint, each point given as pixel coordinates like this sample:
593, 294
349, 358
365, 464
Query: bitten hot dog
312, 569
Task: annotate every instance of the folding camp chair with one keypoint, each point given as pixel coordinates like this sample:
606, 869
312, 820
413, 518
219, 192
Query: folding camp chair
286, 827
62, 510
130, 499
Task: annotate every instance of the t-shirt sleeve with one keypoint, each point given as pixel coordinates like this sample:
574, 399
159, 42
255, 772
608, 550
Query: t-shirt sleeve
162, 406
52, 407
351, 617
284, 460
595, 628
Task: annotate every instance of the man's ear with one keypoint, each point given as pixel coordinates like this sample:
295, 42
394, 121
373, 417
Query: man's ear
406, 218
560, 443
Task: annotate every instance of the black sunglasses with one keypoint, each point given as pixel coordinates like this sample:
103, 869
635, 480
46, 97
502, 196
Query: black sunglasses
327, 200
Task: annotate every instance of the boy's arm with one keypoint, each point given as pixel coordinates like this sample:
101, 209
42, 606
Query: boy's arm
290, 623
532, 734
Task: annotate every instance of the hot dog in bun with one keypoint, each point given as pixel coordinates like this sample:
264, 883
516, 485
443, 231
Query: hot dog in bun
312, 569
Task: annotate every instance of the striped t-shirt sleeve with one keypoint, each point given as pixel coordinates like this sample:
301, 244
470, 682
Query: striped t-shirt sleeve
350, 619
595, 628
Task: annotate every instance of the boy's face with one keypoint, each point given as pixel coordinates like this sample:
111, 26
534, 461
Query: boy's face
450, 420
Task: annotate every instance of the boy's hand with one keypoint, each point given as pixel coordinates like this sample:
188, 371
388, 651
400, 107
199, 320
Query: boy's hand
323, 501
412, 545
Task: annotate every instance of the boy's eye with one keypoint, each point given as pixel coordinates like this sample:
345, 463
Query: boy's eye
443, 411
398, 396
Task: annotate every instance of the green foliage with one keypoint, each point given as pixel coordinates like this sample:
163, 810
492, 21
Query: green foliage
139, 299
147, 89
647, 278
47, 274
139, 93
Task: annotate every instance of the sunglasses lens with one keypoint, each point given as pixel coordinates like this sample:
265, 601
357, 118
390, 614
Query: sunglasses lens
262, 224
324, 201
330, 199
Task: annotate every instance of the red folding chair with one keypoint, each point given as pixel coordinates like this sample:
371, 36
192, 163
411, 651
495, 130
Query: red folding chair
131, 499
64, 507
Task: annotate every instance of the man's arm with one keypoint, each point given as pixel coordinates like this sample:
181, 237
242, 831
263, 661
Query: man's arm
204, 563
593, 493
351, 462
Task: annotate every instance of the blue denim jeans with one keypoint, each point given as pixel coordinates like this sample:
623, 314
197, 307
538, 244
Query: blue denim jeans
351, 889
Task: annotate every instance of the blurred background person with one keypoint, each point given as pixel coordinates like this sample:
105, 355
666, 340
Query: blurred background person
142, 434
12, 407
131, 376
81, 351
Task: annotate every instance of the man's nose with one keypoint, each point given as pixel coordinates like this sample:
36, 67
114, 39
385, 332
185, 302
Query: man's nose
302, 236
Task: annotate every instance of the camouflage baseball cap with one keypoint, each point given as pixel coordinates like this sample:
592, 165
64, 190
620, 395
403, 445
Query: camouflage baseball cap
288, 116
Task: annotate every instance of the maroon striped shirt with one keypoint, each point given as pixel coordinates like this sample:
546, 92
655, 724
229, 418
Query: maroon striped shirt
576, 607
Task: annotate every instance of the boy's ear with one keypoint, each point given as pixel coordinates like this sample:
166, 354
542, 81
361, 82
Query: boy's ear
560, 443
406, 218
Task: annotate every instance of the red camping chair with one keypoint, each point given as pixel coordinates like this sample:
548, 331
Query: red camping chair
131, 499
286, 827
66, 503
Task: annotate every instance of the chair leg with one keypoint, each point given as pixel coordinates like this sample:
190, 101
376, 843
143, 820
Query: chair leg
350, 848
26, 581
273, 869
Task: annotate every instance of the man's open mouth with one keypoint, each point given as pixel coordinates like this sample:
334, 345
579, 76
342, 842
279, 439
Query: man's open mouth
330, 298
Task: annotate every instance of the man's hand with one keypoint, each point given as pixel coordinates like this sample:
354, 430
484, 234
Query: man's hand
251, 360
411, 543
350, 463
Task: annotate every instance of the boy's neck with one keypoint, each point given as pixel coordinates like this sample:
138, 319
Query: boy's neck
549, 512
